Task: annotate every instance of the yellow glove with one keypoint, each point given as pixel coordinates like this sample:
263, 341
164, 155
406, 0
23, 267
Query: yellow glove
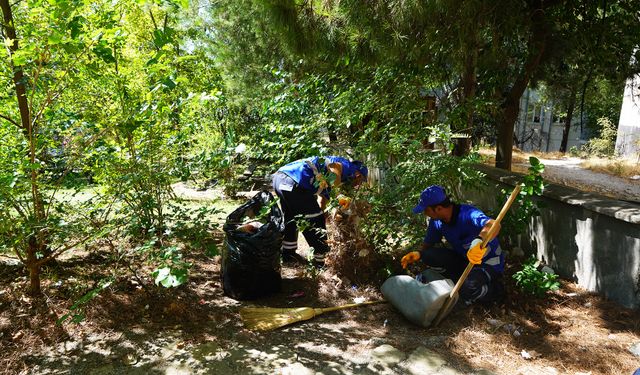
344, 201
406, 260
476, 251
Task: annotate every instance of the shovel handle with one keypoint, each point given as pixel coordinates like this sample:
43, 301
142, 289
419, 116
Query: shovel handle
488, 237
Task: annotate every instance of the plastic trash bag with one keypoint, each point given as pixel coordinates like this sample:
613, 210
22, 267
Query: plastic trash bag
252, 249
418, 300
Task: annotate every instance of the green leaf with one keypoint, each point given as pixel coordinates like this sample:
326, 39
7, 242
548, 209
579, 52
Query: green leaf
155, 59
19, 59
160, 38
75, 26
169, 83
181, 276
8, 42
211, 250
104, 52
168, 281
54, 38
161, 274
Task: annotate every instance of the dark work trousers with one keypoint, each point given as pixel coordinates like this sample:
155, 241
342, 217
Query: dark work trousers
483, 284
297, 204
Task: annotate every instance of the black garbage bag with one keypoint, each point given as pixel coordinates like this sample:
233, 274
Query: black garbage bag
253, 242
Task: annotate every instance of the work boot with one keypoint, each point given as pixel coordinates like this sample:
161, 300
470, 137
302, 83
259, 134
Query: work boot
292, 257
318, 262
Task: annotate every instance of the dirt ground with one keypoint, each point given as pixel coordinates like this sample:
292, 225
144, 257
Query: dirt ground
568, 332
133, 327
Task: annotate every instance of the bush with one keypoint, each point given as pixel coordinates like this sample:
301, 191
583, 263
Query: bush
605, 144
574, 151
390, 226
525, 206
535, 282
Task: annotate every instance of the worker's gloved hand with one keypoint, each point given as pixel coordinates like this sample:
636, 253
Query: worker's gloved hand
476, 251
344, 202
412, 257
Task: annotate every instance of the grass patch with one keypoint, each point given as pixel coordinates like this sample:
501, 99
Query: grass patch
620, 168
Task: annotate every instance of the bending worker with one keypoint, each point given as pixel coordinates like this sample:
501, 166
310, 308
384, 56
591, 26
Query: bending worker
298, 185
464, 227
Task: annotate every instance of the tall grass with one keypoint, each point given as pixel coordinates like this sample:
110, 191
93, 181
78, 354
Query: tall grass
621, 168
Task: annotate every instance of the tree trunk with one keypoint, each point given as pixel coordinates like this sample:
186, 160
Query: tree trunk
511, 104
37, 242
567, 123
31, 262
504, 141
34, 281
469, 78
18, 76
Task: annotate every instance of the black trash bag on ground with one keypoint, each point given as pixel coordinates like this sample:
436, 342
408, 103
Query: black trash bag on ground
251, 254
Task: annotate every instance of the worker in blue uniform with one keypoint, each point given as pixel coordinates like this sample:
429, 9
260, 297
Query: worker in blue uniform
300, 185
464, 227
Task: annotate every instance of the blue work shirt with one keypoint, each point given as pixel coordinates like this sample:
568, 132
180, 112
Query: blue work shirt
466, 223
305, 177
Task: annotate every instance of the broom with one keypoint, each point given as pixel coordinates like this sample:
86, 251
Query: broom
268, 318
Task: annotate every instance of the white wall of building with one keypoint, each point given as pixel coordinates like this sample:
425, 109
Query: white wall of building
628, 141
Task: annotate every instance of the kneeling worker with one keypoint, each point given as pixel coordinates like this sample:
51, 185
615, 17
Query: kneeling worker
464, 227
298, 184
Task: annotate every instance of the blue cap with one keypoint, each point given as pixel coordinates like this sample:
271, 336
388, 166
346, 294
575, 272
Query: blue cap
361, 168
430, 196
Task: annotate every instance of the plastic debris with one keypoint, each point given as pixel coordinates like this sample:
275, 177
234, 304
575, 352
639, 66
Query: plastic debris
529, 355
359, 300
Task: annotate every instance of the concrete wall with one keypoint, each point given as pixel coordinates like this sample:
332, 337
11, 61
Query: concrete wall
587, 238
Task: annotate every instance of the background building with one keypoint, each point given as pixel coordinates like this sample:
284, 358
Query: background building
628, 140
540, 129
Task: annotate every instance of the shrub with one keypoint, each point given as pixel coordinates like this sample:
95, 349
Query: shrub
390, 225
525, 207
535, 282
605, 144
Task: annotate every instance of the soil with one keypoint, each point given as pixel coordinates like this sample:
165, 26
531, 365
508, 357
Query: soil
567, 332
135, 327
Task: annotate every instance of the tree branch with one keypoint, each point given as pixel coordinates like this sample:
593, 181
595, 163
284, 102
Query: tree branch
9, 119
15, 250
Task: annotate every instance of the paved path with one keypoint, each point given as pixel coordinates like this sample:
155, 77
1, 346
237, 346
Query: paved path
568, 172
